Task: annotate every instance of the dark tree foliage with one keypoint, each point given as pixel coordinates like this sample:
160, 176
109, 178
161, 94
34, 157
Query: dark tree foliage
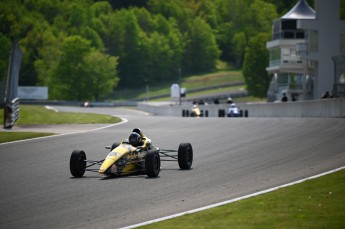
256, 58
5, 47
342, 9
284, 6
119, 4
147, 41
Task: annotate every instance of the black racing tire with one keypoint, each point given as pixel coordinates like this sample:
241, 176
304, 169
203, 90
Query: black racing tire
185, 156
77, 164
114, 145
152, 163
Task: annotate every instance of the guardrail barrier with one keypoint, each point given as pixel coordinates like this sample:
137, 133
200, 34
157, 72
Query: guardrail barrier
11, 113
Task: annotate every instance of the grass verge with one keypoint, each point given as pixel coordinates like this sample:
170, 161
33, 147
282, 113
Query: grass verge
16, 136
317, 203
40, 115
190, 82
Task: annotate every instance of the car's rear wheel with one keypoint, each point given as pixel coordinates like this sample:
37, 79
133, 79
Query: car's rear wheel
185, 156
77, 163
152, 163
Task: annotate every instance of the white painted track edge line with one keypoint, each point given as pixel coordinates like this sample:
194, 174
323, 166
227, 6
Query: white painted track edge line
232, 200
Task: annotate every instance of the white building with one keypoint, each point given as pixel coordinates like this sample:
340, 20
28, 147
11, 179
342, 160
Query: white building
307, 52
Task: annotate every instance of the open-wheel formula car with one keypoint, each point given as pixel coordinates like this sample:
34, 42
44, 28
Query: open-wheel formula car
125, 159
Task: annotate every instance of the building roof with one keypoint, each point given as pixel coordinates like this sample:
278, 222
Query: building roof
301, 10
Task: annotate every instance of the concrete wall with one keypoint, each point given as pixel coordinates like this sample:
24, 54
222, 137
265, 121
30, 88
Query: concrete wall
328, 108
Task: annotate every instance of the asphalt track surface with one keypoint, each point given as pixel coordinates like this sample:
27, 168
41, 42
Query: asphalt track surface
232, 158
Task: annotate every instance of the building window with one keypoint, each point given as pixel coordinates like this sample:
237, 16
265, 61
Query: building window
300, 35
283, 79
275, 57
286, 55
313, 41
296, 81
290, 56
293, 80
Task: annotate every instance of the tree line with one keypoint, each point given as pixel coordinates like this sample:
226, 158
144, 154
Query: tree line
83, 50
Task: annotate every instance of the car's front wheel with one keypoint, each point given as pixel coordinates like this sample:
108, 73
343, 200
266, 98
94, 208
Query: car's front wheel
185, 155
77, 163
152, 163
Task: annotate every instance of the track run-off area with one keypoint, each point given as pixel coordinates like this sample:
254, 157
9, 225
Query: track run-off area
233, 157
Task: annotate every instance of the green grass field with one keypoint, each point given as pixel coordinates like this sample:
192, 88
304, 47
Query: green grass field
190, 82
218, 78
213, 79
15, 136
40, 115
317, 203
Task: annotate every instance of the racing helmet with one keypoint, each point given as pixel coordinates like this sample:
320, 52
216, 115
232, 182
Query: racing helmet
134, 139
138, 131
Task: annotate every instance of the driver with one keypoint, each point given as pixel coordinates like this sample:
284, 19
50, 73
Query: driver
138, 139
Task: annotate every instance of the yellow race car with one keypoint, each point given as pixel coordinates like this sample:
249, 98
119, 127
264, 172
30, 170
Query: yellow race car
125, 159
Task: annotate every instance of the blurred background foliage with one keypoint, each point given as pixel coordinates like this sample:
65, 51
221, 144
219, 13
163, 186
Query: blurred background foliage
84, 50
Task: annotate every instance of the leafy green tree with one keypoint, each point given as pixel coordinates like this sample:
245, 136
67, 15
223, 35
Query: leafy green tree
49, 9
176, 9
102, 75
98, 9
261, 17
207, 10
69, 79
260, 20
162, 25
131, 64
145, 20
201, 49
232, 20
151, 38
239, 41
254, 67
77, 15
48, 56
91, 35
119, 4
177, 47
30, 44
342, 9
239, 20
103, 21
5, 47
160, 58
11, 18
15, 22
82, 73
284, 6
